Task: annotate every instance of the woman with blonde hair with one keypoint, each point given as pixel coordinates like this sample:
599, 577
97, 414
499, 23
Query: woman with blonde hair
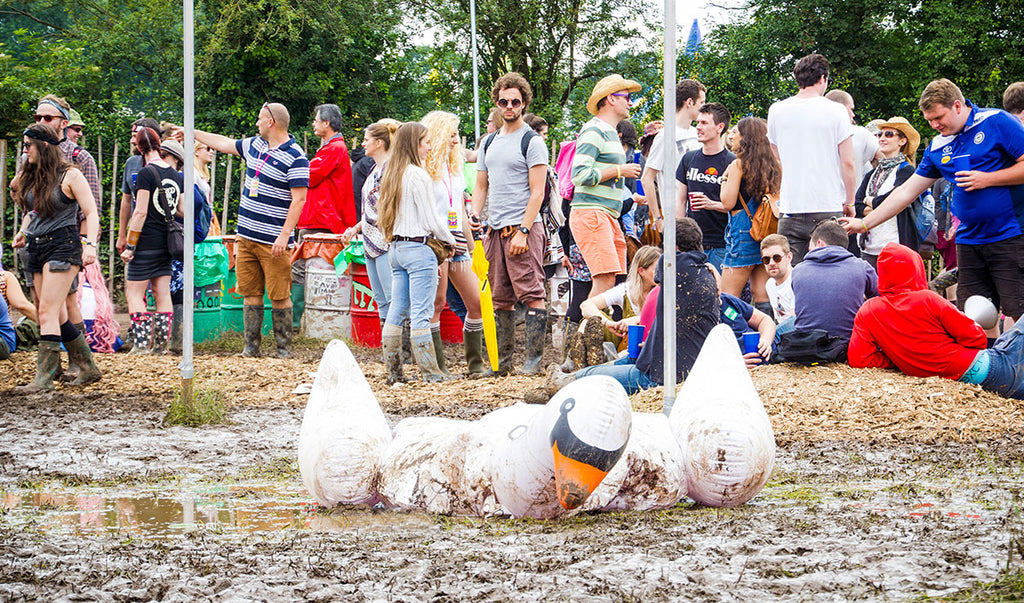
408, 219
754, 175
444, 164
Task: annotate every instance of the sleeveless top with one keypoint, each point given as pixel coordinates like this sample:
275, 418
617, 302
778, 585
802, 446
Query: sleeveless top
65, 213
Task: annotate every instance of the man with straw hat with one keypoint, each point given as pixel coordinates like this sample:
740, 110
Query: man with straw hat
598, 170
981, 152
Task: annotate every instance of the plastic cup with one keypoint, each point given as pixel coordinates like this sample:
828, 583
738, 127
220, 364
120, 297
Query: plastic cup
961, 163
750, 341
635, 337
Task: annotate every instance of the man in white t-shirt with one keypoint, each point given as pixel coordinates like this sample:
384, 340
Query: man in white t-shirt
690, 97
812, 137
865, 144
778, 263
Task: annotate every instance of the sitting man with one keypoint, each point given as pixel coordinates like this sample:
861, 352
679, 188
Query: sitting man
829, 286
697, 312
778, 263
923, 335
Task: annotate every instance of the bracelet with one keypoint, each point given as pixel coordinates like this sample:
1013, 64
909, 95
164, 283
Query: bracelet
89, 243
618, 170
864, 225
659, 218
129, 247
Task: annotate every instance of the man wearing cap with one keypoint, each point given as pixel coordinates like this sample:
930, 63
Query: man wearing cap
75, 127
980, 151
511, 172
273, 193
598, 172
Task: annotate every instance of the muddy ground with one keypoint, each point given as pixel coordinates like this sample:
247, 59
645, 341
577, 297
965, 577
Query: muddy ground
886, 487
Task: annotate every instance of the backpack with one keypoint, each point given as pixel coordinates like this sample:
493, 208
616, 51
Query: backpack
563, 168
549, 183
203, 215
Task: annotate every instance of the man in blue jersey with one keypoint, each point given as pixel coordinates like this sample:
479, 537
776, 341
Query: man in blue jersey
982, 152
273, 193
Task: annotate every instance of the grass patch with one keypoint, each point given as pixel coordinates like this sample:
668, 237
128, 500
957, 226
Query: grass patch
1009, 586
207, 407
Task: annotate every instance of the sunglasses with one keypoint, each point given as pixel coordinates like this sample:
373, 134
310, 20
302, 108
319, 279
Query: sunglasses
76, 128
767, 259
625, 95
46, 118
266, 106
504, 102
886, 134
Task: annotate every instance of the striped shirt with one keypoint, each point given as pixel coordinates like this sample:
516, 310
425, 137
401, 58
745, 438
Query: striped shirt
270, 174
598, 147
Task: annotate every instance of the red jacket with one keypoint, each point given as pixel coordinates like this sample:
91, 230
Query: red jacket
911, 327
329, 202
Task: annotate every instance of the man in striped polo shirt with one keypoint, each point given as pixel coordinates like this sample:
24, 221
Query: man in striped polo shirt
274, 190
598, 170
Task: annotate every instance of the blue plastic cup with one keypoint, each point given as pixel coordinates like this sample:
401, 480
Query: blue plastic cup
750, 341
636, 337
962, 163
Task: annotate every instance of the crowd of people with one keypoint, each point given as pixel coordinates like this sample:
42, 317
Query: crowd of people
803, 231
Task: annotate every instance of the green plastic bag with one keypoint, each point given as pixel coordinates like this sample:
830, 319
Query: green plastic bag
353, 253
210, 262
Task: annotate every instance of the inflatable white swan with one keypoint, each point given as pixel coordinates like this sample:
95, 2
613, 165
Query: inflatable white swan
583, 451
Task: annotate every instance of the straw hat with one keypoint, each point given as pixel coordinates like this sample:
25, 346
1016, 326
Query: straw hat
174, 148
903, 127
608, 85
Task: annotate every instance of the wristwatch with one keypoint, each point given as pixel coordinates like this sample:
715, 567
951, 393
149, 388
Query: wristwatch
524, 230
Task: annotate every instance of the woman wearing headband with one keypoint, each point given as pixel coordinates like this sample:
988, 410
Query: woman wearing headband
51, 192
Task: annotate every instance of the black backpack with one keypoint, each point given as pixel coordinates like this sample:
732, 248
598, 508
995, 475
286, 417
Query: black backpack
524, 146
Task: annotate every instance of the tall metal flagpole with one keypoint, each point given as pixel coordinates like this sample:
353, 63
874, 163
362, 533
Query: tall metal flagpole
668, 207
187, 369
476, 72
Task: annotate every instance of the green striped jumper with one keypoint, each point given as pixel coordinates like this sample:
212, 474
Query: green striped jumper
598, 147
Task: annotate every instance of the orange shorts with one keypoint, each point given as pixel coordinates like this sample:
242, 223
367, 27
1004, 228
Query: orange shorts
256, 267
600, 240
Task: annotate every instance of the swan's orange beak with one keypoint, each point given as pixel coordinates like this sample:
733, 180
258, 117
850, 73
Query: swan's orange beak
575, 481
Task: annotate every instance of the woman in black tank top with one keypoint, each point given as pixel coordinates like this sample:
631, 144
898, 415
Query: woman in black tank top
51, 192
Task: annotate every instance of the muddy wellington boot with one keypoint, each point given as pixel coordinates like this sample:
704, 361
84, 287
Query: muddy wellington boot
161, 333
391, 339
407, 344
505, 324
141, 331
570, 335
473, 341
423, 352
592, 341
252, 323
439, 352
79, 352
282, 318
536, 333
47, 362
176, 320
298, 305
73, 369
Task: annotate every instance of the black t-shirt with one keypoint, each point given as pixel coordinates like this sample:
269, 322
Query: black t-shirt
703, 174
360, 170
697, 312
154, 178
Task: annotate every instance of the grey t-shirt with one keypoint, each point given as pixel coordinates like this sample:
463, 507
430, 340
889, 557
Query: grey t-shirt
508, 175
131, 167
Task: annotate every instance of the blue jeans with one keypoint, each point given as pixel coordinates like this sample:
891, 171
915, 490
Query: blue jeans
1006, 364
413, 284
630, 377
787, 325
378, 269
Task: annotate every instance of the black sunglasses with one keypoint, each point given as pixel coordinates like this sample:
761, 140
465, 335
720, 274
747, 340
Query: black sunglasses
266, 106
886, 133
504, 102
767, 259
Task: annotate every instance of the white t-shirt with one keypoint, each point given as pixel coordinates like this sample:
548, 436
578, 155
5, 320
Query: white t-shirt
448, 194
781, 298
807, 132
865, 145
686, 141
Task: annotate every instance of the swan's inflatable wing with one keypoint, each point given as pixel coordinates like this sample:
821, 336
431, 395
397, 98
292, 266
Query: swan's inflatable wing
722, 427
344, 433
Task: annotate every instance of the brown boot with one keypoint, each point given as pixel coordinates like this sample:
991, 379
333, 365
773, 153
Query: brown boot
79, 352
47, 362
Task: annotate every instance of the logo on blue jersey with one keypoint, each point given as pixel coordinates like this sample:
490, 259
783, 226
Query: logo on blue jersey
979, 137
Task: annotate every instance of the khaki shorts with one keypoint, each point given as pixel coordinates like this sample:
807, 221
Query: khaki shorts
256, 268
600, 241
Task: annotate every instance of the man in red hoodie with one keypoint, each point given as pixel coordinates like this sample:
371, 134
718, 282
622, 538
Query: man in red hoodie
917, 331
330, 205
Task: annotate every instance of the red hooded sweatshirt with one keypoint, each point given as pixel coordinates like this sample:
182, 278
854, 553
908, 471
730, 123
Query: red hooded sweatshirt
329, 201
911, 327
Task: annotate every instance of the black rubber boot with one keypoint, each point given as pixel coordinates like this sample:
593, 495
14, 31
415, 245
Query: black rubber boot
536, 333
142, 327
282, 318
439, 352
252, 320
79, 352
473, 341
423, 352
391, 338
505, 323
161, 333
176, 320
73, 369
47, 362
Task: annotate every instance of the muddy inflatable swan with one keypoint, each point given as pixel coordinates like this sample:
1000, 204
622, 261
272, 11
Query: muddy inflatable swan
585, 450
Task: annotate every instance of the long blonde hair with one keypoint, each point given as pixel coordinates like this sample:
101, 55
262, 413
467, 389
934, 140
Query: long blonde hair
645, 257
203, 169
404, 152
441, 126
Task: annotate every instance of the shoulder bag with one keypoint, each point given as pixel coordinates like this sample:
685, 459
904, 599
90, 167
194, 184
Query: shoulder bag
764, 221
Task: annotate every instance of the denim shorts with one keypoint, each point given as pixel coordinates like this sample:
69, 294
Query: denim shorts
740, 249
60, 248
